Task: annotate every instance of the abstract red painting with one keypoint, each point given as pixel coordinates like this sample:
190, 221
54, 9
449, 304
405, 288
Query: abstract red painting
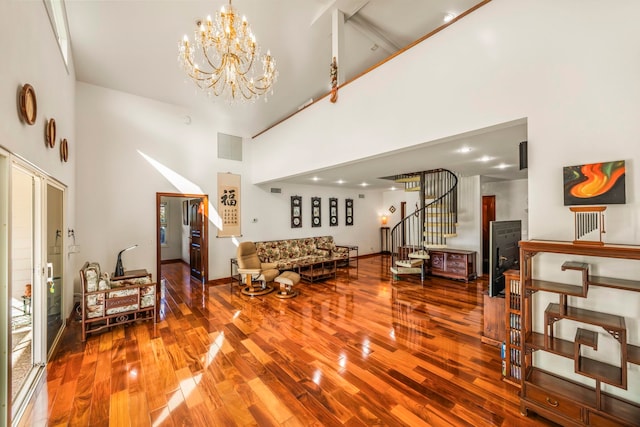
595, 184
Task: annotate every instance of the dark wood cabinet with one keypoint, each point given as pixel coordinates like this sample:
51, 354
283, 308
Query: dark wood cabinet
452, 264
551, 394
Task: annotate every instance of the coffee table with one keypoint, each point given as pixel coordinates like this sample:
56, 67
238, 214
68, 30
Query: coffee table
318, 270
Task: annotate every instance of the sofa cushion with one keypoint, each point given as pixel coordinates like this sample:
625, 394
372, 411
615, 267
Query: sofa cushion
268, 251
307, 246
288, 253
289, 249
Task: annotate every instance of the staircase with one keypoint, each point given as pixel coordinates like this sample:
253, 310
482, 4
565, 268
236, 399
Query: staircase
433, 221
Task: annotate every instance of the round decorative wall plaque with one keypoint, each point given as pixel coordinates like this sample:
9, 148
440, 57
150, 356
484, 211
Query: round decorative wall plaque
27, 104
64, 150
50, 131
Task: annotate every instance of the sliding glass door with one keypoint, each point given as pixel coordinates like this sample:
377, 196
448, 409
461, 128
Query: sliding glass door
26, 330
34, 276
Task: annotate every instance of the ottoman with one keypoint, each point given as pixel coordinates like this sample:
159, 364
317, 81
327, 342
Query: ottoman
287, 280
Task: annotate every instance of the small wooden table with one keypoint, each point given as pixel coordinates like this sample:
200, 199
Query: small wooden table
318, 270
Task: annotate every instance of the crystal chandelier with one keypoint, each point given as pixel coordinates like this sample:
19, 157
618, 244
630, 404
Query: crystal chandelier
223, 58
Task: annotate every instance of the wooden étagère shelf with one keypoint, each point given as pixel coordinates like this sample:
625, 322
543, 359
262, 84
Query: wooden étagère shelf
551, 395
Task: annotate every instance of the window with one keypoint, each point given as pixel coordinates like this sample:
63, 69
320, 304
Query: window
57, 16
163, 223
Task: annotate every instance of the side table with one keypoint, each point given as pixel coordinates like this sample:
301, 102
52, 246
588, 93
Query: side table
353, 248
233, 272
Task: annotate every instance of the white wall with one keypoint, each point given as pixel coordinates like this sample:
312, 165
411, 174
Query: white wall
119, 186
511, 201
395, 198
272, 211
534, 59
570, 68
31, 55
469, 229
173, 249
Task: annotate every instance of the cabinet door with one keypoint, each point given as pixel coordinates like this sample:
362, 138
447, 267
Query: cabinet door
437, 261
456, 263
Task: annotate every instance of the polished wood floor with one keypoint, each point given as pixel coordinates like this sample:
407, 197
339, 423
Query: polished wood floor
360, 350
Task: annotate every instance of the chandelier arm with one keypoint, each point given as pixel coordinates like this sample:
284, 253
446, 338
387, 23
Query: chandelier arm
217, 70
264, 88
249, 67
229, 43
190, 66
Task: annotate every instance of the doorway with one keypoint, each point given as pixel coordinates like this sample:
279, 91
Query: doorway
183, 232
488, 215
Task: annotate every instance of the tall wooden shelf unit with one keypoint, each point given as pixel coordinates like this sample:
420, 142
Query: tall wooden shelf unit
512, 358
558, 398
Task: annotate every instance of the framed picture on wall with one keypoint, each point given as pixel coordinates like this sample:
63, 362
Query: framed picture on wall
348, 214
333, 211
595, 184
296, 211
316, 220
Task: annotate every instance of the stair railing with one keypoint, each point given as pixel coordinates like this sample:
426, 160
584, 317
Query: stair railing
431, 223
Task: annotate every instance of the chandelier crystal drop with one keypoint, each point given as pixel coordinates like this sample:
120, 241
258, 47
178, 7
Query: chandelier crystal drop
223, 58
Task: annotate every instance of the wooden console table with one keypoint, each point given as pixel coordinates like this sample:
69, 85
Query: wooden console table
452, 264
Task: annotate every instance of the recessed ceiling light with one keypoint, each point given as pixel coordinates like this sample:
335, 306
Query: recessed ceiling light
449, 17
340, 181
464, 149
485, 158
364, 184
315, 178
503, 166
393, 188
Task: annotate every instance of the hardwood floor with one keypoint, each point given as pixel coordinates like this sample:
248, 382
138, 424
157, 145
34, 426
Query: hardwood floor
354, 351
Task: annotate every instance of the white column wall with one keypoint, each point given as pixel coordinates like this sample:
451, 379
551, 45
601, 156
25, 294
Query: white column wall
31, 55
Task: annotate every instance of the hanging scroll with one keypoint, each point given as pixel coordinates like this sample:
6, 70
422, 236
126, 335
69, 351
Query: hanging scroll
229, 204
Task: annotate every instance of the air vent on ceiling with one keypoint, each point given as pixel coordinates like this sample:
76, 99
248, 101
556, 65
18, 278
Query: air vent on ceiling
276, 190
360, 196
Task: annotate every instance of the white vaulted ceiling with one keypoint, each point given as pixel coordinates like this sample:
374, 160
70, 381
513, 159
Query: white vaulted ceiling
132, 46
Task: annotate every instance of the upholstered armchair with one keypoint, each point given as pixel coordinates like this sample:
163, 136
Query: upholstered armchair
256, 275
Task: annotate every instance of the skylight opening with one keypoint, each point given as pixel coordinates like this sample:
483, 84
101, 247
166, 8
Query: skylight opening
57, 17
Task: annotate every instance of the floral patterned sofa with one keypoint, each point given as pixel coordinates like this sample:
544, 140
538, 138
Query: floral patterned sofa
288, 254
